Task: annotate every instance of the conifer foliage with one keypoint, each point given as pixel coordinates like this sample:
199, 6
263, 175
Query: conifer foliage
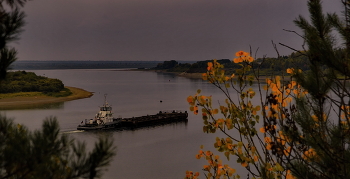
46, 153
11, 24
323, 115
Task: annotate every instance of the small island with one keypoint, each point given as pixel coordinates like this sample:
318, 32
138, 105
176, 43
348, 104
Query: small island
23, 89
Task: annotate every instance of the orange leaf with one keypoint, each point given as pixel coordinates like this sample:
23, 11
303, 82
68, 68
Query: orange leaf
195, 110
244, 164
190, 99
262, 130
239, 53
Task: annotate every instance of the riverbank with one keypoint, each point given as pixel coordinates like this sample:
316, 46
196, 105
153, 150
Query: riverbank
21, 102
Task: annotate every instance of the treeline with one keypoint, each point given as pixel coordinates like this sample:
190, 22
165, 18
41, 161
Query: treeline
22, 81
267, 66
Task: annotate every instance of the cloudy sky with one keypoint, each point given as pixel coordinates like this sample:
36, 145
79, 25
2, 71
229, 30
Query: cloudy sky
158, 30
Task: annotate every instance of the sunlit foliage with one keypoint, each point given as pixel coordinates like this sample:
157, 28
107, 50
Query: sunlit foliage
253, 150
295, 125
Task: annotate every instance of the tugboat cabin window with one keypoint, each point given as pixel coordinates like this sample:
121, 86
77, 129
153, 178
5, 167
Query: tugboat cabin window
105, 108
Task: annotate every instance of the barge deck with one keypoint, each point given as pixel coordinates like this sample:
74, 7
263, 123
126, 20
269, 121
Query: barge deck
137, 122
104, 119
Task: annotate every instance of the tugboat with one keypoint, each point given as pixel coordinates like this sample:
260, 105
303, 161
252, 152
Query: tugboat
103, 119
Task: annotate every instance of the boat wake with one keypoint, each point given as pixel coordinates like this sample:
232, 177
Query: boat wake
70, 132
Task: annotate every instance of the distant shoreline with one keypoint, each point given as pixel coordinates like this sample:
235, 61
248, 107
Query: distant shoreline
182, 74
191, 75
198, 75
37, 101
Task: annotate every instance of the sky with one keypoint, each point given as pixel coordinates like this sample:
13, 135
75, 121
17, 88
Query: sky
159, 30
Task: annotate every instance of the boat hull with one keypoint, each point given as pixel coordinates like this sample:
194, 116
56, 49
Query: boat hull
137, 122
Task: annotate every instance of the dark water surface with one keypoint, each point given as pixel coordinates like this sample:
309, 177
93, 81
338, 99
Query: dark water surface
159, 152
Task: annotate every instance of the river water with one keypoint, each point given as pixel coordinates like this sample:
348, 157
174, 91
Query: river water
158, 152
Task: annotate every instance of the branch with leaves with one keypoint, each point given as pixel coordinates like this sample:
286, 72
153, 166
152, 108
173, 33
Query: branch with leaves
291, 126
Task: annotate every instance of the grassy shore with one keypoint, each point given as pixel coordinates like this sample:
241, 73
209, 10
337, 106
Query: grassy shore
33, 99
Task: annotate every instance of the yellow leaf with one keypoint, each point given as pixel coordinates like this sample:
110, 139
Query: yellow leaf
257, 108
265, 87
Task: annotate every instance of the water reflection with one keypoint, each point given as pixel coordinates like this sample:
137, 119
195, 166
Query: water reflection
56, 105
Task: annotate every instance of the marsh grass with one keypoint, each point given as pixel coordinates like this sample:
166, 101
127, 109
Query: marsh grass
20, 94
64, 93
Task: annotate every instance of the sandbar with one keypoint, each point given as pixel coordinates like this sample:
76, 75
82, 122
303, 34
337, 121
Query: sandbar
22, 102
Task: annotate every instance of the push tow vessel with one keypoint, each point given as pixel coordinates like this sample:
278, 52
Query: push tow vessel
104, 119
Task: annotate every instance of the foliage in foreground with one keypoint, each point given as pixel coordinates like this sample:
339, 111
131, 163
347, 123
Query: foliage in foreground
11, 24
46, 153
291, 127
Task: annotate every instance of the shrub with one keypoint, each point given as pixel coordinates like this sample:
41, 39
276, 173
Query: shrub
21, 81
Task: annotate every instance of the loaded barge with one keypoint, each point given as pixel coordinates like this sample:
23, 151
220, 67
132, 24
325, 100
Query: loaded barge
104, 119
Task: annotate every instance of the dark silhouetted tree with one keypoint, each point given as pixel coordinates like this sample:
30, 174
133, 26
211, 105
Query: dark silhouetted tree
47, 153
11, 24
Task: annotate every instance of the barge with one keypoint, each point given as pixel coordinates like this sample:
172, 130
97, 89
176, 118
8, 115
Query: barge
104, 119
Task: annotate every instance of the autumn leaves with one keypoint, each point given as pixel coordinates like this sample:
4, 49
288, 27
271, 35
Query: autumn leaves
252, 150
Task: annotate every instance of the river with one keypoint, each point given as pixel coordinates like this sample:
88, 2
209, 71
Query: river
158, 152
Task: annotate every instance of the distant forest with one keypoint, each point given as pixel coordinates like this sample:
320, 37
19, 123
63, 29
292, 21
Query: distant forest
267, 65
